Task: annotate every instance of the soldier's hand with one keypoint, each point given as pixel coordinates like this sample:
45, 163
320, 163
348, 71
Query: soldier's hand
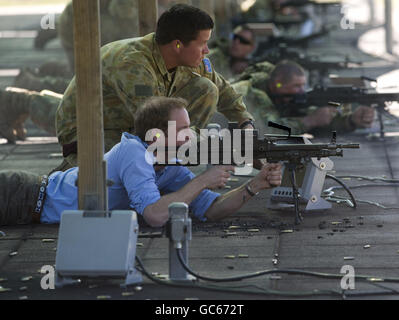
363, 117
319, 118
216, 177
270, 176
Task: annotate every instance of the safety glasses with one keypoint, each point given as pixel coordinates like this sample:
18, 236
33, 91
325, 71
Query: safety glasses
241, 39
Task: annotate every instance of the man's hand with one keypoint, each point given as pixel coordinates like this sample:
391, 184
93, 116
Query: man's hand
248, 126
268, 177
320, 118
363, 117
216, 177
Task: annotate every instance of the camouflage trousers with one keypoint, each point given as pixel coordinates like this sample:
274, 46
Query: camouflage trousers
42, 108
202, 97
19, 192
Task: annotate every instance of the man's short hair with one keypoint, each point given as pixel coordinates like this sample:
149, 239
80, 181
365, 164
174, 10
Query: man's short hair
245, 27
182, 22
155, 113
285, 70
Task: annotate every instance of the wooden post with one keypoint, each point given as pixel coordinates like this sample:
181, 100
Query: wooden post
89, 110
148, 16
388, 26
207, 6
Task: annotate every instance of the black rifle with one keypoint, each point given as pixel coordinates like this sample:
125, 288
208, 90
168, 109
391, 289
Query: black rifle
213, 149
318, 68
321, 96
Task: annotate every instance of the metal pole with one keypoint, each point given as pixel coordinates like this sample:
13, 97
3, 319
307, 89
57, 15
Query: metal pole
388, 26
148, 16
89, 108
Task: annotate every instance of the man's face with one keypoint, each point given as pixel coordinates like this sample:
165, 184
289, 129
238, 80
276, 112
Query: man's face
194, 52
182, 133
242, 44
295, 86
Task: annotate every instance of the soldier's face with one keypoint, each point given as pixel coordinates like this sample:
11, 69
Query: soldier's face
194, 52
243, 44
295, 86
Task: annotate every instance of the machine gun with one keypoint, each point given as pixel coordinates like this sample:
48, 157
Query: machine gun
317, 68
234, 146
321, 96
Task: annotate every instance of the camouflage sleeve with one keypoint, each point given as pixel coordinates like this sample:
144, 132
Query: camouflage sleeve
230, 103
131, 82
262, 108
125, 88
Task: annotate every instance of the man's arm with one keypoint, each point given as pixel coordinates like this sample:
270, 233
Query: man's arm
225, 205
157, 213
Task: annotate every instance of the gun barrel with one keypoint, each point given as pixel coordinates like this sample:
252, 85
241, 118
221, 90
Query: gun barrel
349, 146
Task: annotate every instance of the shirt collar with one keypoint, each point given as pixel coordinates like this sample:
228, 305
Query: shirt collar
127, 135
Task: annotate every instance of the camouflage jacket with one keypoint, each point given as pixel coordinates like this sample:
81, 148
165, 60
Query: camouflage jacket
132, 71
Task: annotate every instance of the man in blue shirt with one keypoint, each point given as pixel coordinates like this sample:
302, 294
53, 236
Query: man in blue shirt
137, 183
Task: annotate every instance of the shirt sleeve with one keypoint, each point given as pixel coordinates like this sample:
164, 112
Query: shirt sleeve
138, 177
202, 202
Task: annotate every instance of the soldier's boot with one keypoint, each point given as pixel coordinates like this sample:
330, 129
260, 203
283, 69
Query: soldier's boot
14, 110
28, 79
43, 37
55, 69
31, 80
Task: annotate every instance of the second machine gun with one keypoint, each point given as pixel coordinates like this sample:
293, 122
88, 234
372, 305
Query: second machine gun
322, 96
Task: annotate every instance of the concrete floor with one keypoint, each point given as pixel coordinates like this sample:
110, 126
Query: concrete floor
364, 238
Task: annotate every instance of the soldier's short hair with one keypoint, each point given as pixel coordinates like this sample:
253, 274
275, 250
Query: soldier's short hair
285, 70
182, 22
155, 113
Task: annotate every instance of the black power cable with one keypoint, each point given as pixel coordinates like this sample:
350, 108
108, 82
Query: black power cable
286, 271
345, 187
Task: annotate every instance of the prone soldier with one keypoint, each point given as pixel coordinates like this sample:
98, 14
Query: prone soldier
262, 94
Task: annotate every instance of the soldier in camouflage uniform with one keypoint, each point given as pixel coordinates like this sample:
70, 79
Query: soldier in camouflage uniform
289, 78
232, 57
168, 63
118, 21
53, 76
16, 105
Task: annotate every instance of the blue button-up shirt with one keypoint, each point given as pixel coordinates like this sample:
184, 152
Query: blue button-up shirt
136, 183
